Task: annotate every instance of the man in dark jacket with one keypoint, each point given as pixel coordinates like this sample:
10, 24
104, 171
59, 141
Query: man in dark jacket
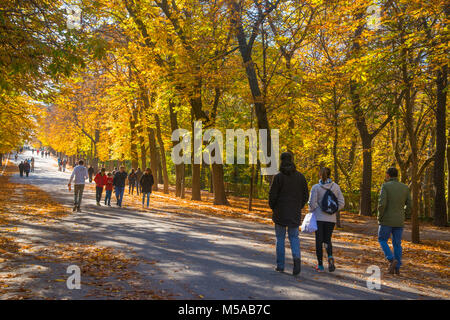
21, 168
393, 204
146, 182
287, 197
119, 184
90, 173
26, 168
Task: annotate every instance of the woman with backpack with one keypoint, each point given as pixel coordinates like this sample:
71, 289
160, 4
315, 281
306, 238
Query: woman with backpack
325, 200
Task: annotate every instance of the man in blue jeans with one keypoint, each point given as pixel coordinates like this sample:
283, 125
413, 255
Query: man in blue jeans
287, 196
393, 204
119, 180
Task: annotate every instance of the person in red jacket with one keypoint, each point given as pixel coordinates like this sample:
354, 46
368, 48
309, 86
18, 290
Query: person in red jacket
100, 181
109, 188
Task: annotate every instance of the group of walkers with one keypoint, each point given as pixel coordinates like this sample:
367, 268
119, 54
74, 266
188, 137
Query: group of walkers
44, 153
289, 194
26, 166
115, 180
62, 163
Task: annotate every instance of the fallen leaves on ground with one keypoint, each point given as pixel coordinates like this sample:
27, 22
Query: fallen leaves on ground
426, 265
107, 272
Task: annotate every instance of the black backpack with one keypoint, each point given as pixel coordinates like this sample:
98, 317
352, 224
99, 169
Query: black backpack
329, 203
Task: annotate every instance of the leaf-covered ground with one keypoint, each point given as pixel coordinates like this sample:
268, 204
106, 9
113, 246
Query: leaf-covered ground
33, 258
426, 266
32, 267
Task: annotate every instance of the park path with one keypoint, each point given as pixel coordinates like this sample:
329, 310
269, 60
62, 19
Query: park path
194, 256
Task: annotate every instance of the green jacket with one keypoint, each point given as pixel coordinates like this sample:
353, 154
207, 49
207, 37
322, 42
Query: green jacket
394, 203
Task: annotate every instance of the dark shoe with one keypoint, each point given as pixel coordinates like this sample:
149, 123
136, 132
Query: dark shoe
279, 269
297, 267
331, 266
74, 208
98, 203
397, 271
78, 209
392, 266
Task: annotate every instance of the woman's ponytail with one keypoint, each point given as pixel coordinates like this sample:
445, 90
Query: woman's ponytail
325, 174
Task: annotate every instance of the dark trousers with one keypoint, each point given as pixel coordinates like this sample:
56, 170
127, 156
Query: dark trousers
323, 235
27, 173
131, 188
21, 173
78, 194
98, 193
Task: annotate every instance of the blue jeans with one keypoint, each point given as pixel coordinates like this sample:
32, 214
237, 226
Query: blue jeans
148, 198
280, 233
108, 197
384, 233
119, 195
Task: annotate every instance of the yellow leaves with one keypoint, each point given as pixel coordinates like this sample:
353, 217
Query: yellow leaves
16, 122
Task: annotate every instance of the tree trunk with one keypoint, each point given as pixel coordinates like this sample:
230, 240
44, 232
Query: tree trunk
366, 185
162, 155
415, 232
427, 192
211, 184
142, 147
195, 187
245, 50
410, 128
202, 175
179, 169
220, 197
365, 201
183, 189
250, 195
133, 140
335, 145
440, 212
448, 172
160, 174
153, 156
96, 141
